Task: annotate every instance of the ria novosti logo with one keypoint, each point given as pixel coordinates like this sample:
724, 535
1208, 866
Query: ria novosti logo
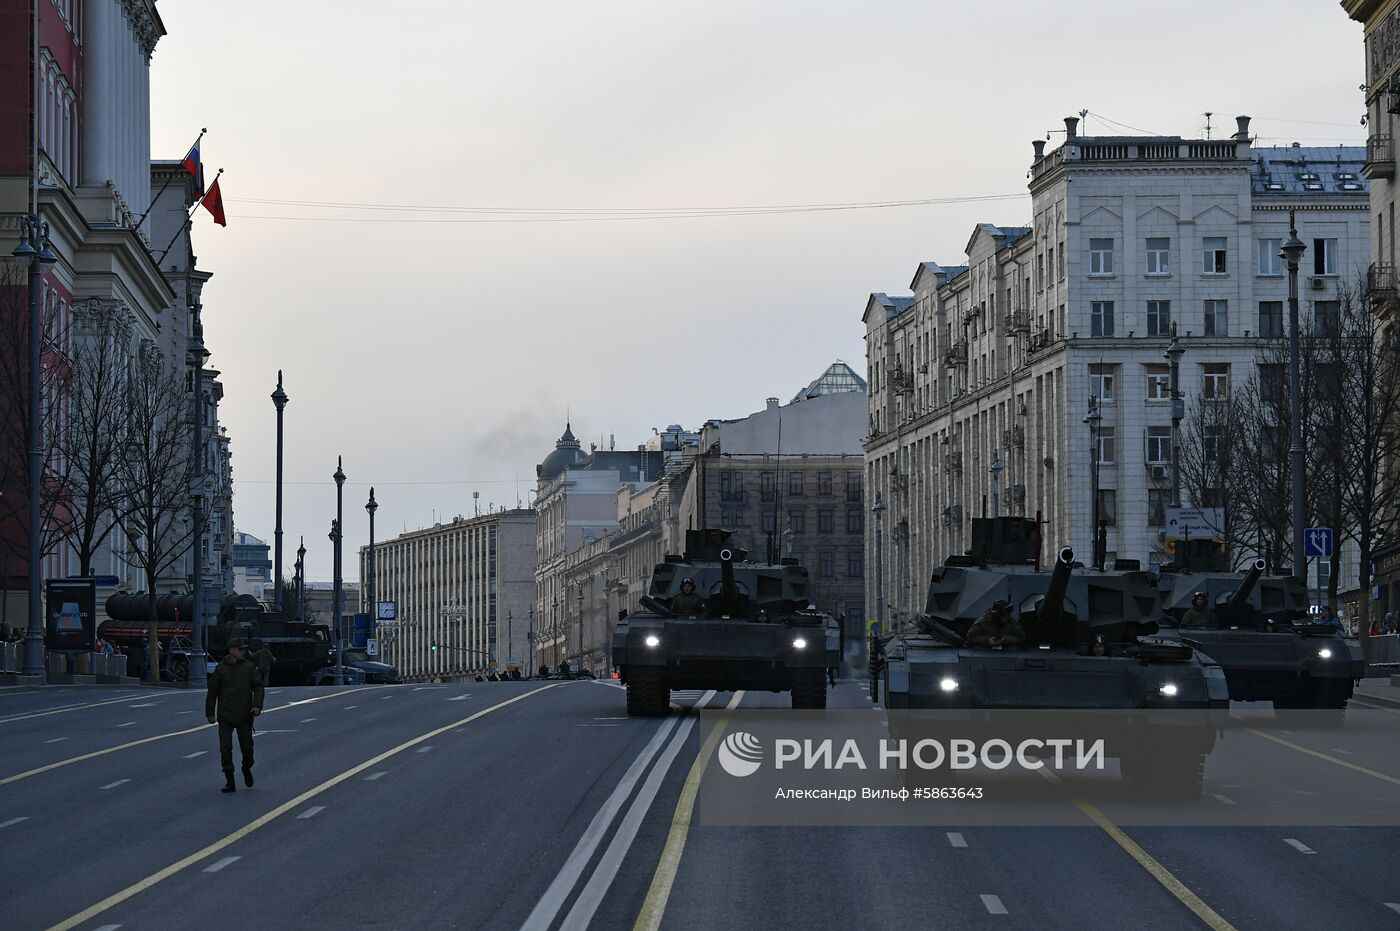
740, 754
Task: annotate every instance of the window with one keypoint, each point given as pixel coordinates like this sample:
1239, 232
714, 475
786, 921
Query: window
1273, 383
797, 520
1211, 444
1216, 384
1269, 262
769, 521
826, 521
1101, 256
768, 487
1101, 318
731, 485
1040, 272
1108, 507
1325, 318
1106, 445
853, 521
1324, 256
1159, 318
1159, 256
1158, 382
855, 568
1217, 322
1271, 319
794, 483
823, 483
1101, 381
826, 564
853, 486
1159, 445
1157, 501
1213, 255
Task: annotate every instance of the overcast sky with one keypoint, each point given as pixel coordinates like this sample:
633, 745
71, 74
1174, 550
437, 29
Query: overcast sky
439, 358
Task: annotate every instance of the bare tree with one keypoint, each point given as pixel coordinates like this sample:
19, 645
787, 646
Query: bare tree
93, 442
1324, 364
156, 468
1214, 447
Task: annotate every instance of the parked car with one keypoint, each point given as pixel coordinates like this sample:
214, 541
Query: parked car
326, 675
374, 671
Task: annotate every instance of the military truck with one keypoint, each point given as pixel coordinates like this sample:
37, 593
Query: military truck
1090, 645
753, 628
1257, 628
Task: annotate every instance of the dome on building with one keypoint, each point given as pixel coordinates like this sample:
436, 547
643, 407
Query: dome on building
566, 452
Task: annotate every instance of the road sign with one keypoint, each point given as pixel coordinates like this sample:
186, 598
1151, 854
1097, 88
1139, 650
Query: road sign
388, 611
1194, 523
1317, 541
372, 647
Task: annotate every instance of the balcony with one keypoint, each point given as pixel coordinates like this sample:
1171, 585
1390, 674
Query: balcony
1381, 291
957, 353
1015, 322
1380, 158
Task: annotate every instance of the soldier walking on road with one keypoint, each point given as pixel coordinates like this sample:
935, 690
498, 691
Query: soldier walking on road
235, 698
265, 660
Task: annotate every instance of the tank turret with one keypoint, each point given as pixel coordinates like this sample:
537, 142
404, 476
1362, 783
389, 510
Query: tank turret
1240, 596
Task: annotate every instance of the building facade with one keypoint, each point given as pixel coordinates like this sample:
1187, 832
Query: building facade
981, 380
252, 566
464, 591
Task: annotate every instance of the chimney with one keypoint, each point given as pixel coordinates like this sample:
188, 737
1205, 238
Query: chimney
1039, 146
1242, 133
772, 404
1071, 128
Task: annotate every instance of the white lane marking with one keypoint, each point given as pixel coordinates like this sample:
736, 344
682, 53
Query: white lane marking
13, 821
1393, 906
956, 839
993, 904
220, 864
351, 707
1223, 799
307, 720
113, 785
460, 697
423, 749
373, 776
311, 812
106, 928
127, 724
429, 687
55, 740
149, 704
1340, 750
610, 719
178, 712
1298, 845
581, 915
273, 691
548, 905
190, 756
608, 682
591, 724
386, 697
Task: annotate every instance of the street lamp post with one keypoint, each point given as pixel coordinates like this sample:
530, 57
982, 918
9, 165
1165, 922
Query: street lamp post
578, 657
1292, 253
301, 580
198, 667
996, 486
337, 534
1173, 356
34, 246
1093, 419
279, 400
879, 511
370, 507
554, 632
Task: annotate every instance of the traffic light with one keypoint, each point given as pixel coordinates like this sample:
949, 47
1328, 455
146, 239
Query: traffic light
433, 647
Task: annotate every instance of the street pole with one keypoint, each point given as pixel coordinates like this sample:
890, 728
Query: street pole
301, 580
578, 657
879, 511
1173, 355
279, 400
337, 533
39, 254
371, 506
1292, 253
1092, 419
996, 486
198, 667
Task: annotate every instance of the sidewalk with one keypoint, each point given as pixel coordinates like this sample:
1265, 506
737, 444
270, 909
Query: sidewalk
1380, 690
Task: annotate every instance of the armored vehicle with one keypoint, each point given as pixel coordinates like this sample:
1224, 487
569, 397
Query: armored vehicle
745, 625
1257, 628
1088, 645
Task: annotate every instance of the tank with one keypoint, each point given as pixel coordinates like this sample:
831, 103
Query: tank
1063, 612
754, 630
1260, 633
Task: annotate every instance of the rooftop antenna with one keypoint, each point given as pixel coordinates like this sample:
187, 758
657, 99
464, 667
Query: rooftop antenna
1208, 115
476, 503
1084, 118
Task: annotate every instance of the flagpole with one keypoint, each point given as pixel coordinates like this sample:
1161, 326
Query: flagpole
186, 224
202, 131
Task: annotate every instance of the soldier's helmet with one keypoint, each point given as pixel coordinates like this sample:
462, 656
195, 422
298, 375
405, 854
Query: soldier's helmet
237, 642
1001, 606
1201, 597
687, 581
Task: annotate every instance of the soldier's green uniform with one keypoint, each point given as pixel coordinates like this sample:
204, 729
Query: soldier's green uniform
996, 623
235, 695
687, 602
1198, 617
265, 661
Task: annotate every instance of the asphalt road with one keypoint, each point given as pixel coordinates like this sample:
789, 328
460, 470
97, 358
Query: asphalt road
540, 805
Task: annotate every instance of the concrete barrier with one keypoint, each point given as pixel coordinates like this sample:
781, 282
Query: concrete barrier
1383, 651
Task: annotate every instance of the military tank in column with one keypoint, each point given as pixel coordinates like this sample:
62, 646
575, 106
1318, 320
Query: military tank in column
1257, 627
737, 625
1087, 641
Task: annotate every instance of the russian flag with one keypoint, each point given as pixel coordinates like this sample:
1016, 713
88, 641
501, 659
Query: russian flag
194, 167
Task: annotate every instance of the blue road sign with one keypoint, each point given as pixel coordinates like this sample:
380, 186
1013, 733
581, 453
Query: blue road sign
1317, 541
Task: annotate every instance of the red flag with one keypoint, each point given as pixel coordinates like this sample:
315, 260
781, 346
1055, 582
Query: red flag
214, 203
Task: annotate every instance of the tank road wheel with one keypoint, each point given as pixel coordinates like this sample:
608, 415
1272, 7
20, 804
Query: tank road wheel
1175, 776
809, 689
646, 696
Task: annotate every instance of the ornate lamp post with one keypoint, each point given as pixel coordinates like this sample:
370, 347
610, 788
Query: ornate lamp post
1173, 356
279, 400
301, 580
370, 507
1292, 253
337, 532
1093, 419
996, 470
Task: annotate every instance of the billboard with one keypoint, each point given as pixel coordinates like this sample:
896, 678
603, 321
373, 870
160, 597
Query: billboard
70, 617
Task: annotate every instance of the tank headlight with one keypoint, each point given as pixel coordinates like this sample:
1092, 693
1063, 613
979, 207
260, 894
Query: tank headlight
948, 684
1325, 653
800, 643
1168, 690
653, 640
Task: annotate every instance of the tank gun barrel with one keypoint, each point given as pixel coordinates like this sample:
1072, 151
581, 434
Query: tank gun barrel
1241, 594
1052, 605
729, 592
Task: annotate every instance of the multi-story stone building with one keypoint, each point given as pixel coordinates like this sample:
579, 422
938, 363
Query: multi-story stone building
466, 586
981, 379
252, 566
